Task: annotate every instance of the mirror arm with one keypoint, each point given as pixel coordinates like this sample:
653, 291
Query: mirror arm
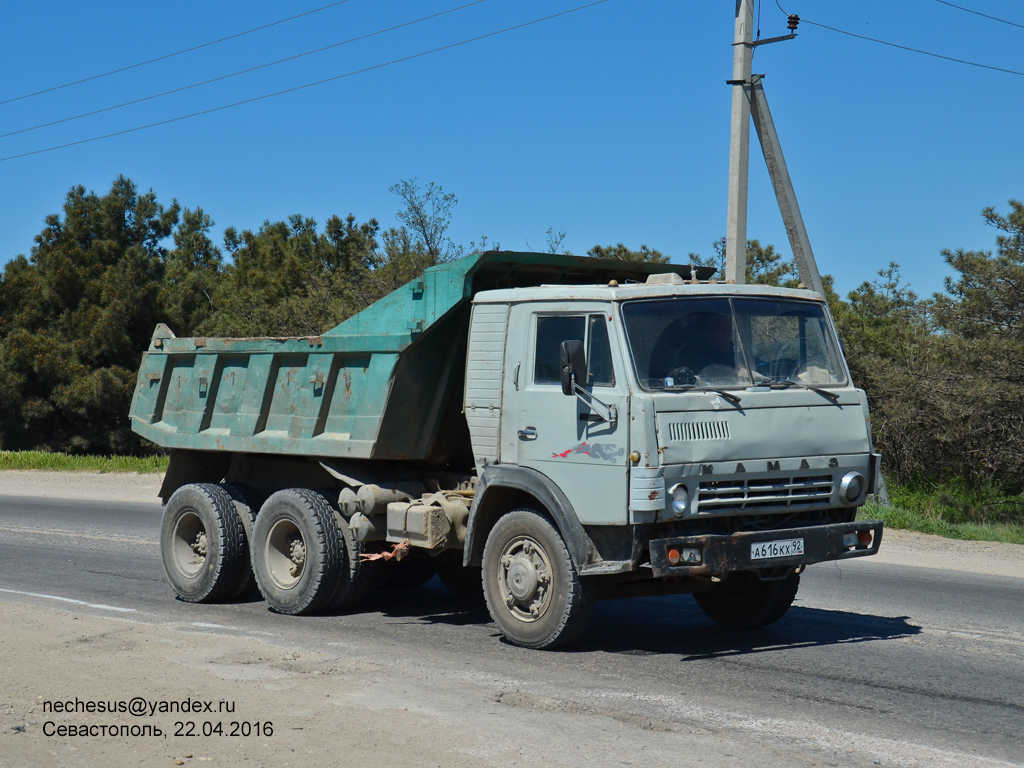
607, 412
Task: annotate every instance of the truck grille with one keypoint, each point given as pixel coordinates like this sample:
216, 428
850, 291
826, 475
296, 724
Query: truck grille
764, 494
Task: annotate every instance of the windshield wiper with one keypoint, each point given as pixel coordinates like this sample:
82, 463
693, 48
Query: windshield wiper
732, 398
774, 384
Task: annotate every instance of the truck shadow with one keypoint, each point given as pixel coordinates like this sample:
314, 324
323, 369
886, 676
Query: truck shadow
428, 603
674, 625
660, 625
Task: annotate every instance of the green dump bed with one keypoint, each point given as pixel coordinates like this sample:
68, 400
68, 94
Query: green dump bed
385, 384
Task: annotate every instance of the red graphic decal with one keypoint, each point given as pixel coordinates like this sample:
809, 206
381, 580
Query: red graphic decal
581, 448
600, 451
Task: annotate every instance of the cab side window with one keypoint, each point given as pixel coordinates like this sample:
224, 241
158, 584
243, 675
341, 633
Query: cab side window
600, 372
551, 332
592, 330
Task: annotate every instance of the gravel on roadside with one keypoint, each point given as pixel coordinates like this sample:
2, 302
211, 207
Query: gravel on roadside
93, 486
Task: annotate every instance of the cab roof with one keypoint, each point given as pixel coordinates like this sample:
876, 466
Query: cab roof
627, 291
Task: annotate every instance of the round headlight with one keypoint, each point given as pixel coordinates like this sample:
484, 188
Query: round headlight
680, 498
851, 487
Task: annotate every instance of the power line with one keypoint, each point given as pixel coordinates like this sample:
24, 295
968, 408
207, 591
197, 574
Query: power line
914, 50
240, 72
979, 13
307, 85
906, 47
172, 55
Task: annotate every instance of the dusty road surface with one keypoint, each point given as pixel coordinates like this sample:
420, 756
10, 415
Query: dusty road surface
911, 658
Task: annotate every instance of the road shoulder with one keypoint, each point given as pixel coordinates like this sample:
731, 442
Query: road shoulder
93, 486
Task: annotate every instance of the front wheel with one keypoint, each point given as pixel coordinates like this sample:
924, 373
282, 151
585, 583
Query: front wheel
743, 601
531, 586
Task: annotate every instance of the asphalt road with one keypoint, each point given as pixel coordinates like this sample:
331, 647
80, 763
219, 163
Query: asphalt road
915, 665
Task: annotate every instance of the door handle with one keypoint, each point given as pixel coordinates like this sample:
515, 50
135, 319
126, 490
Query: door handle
529, 433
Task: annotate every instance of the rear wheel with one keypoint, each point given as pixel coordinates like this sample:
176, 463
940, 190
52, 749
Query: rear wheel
356, 576
531, 586
246, 502
299, 552
202, 543
744, 601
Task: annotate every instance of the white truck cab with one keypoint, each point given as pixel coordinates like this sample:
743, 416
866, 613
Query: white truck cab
706, 437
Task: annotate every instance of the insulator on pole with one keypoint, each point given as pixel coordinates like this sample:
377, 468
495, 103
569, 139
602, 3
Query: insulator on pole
794, 21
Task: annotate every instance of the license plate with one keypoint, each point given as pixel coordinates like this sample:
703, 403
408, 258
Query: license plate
764, 550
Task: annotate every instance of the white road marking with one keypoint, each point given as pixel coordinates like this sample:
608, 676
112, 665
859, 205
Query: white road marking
69, 600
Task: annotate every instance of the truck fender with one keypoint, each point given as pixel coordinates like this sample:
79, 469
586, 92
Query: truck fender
487, 508
185, 466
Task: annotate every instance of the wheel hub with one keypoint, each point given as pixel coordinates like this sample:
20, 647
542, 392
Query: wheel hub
524, 579
285, 553
297, 552
190, 544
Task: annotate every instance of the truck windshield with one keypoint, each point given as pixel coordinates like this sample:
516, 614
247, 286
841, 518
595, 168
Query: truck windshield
684, 343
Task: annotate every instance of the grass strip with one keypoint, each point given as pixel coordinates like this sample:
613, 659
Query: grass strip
911, 520
63, 462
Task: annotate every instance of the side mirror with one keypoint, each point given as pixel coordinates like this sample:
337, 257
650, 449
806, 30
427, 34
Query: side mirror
573, 363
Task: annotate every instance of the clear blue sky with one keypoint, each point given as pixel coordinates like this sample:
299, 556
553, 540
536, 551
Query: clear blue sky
611, 123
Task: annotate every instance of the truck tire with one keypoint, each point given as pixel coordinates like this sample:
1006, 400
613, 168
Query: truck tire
202, 543
299, 553
531, 586
356, 577
743, 601
247, 504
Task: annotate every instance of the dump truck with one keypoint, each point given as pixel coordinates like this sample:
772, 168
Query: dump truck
546, 430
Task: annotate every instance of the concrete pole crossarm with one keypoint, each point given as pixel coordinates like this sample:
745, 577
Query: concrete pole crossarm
784, 192
739, 144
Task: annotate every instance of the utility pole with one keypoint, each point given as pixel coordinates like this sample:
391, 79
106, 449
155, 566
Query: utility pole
749, 100
784, 192
739, 144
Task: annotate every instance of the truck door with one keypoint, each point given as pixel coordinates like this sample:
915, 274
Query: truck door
582, 446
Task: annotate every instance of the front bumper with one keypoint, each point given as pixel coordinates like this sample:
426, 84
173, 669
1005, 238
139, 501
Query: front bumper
727, 554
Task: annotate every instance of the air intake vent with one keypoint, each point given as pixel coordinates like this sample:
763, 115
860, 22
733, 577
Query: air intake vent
698, 430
